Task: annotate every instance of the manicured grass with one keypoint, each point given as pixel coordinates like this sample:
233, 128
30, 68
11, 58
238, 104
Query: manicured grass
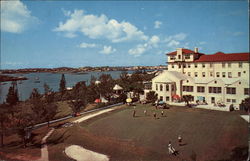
208, 135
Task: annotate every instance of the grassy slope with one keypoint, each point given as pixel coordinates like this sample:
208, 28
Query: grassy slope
212, 135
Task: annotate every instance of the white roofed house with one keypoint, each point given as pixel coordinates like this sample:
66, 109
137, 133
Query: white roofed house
217, 78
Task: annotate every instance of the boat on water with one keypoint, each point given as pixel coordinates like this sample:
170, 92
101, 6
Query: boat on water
37, 80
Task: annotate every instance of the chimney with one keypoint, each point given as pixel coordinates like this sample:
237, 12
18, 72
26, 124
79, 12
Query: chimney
196, 50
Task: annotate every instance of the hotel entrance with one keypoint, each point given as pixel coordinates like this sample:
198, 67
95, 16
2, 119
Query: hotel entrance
212, 100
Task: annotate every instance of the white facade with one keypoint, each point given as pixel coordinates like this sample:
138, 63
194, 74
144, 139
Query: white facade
219, 78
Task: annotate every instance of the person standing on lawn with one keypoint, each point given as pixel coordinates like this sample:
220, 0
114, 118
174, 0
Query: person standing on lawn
180, 140
134, 113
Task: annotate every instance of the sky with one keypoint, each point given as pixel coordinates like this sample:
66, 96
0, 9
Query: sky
48, 34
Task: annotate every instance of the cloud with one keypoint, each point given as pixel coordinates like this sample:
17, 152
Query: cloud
237, 33
202, 42
86, 45
173, 43
138, 50
142, 48
157, 24
176, 40
99, 27
15, 17
107, 50
180, 36
154, 40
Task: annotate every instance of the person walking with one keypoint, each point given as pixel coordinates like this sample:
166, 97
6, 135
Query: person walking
134, 112
171, 149
145, 112
154, 114
162, 113
180, 140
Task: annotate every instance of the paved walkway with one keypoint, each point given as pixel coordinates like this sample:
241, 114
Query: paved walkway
44, 150
245, 117
79, 153
93, 115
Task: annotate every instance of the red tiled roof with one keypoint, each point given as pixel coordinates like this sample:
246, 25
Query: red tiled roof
220, 57
184, 51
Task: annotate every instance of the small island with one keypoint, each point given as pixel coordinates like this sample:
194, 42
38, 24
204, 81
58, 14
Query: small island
6, 78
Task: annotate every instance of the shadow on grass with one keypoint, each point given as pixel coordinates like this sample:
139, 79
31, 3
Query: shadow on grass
238, 154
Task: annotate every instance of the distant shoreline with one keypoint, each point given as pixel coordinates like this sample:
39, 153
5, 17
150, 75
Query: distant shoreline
83, 70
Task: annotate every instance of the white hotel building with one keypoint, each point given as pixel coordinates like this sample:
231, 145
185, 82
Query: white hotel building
218, 78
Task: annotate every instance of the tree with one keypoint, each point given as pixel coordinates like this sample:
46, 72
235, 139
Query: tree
80, 97
93, 91
12, 96
50, 108
22, 120
106, 86
62, 87
37, 105
35, 93
4, 119
187, 99
151, 96
245, 104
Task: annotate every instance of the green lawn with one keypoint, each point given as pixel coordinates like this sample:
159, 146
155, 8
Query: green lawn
208, 135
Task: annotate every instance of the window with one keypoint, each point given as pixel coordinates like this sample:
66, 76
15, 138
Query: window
167, 98
211, 74
188, 65
231, 90
203, 65
233, 100
244, 71
214, 89
196, 74
179, 65
246, 91
161, 98
239, 74
172, 66
217, 74
172, 57
215, 82
188, 88
189, 74
229, 74
195, 65
229, 65
223, 74
240, 64
161, 87
167, 87
156, 87
179, 57
228, 100
203, 74
200, 89
184, 65
187, 81
187, 56
223, 65
211, 65
172, 87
